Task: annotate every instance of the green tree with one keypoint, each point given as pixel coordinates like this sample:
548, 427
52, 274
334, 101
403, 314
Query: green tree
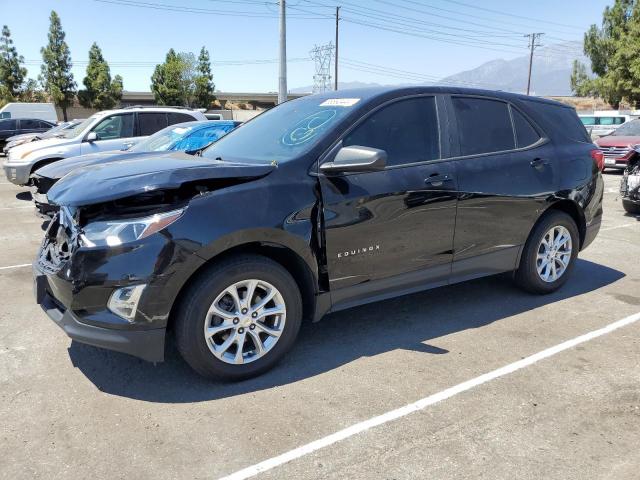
173, 82
204, 87
12, 73
613, 51
581, 84
101, 92
56, 76
32, 92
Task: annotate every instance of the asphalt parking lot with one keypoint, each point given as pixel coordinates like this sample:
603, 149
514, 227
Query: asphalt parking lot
73, 411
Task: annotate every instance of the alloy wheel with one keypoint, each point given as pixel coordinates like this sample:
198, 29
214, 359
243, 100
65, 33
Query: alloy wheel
245, 321
554, 254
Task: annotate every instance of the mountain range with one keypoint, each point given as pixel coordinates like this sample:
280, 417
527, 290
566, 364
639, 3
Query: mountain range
550, 76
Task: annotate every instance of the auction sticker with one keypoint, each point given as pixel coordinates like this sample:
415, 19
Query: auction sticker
340, 102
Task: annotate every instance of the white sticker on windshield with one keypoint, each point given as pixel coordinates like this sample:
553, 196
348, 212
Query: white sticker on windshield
340, 102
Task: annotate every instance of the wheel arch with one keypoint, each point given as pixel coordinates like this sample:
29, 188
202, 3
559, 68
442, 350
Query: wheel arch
42, 162
282, 254
572, 209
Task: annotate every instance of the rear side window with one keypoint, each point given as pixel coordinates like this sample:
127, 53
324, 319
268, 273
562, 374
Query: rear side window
45, 125
175, 117
588, 120
151, 123
525, 133
27, 123
484, 125
7, 124
619, 120
407, 130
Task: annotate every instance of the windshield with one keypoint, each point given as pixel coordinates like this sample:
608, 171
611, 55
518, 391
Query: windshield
629, 129
163, 139
78, 129
284, 132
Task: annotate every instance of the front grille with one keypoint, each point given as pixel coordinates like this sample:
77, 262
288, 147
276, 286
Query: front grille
60, 241
615, 152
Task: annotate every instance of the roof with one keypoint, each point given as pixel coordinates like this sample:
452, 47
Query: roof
371, 92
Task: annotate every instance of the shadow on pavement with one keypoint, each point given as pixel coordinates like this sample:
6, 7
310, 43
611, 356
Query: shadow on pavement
402, 323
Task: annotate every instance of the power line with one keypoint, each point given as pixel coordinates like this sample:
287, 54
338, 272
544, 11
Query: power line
498, 12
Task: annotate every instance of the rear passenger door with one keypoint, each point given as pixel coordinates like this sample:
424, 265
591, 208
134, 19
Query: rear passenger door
393, 229
505, 173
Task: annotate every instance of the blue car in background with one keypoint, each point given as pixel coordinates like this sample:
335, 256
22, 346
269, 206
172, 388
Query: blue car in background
188, 137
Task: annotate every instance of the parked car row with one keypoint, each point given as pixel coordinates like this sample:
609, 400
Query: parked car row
320, 204
103, 131
55, 131
190, 137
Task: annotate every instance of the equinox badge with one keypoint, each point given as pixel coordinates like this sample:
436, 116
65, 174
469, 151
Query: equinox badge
359, 251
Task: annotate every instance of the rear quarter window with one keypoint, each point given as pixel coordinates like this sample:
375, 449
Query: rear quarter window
558, 121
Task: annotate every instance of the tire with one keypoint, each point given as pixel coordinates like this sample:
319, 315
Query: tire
631, 207
527, 275
214, 285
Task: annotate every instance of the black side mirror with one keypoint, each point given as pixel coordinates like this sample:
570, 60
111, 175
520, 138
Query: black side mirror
356, 159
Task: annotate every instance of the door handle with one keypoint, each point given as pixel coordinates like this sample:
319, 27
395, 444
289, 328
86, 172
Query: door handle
538, 162
127, 145
436, 180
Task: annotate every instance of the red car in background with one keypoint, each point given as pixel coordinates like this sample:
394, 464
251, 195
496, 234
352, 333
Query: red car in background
618, 148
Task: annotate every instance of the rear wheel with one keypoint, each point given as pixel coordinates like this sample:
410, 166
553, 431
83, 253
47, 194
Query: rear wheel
239, 318
549, 254
631, 207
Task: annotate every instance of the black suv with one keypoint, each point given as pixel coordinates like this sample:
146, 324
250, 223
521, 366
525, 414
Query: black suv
320, 204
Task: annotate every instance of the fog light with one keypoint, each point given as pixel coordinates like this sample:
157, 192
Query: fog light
124, 301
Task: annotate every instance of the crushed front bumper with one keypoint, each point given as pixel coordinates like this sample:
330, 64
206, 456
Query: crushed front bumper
145, 344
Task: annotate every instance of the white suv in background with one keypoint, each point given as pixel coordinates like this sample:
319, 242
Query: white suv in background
107, 130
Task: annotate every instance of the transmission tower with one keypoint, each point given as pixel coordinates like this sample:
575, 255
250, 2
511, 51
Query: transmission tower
323, 56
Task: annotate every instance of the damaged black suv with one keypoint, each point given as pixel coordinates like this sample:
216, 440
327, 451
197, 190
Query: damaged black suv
320, 204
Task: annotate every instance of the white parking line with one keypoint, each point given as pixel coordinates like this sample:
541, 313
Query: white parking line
624, 225
22, 265
17, 206
424, 402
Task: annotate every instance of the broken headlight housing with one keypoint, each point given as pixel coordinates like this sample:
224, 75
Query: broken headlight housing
112, 233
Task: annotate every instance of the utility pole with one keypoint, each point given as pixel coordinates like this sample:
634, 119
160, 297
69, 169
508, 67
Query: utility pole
336, 59
282, 79
533, 38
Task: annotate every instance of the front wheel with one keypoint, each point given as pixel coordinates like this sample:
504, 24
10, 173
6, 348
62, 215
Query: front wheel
549, 254
238, 318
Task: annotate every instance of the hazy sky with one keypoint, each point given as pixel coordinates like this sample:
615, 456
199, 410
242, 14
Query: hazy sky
383, 41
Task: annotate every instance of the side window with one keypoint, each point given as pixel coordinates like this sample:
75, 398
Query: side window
116, 126
175, 117
484, 125
45, 125
588, 120
7, 125
151, 123
619, 120
525, 133
607, 120
27, 123
407, 130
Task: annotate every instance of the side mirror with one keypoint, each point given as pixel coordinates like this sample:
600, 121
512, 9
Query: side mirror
356, 159
91, 137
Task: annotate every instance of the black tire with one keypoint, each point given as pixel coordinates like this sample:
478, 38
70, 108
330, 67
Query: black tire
192, 310
526, 275
631, 207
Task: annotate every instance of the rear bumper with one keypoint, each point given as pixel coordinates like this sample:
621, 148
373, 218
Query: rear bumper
591, 232
145, 344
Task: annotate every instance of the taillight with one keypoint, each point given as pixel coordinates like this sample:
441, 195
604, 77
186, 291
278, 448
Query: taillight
598, 157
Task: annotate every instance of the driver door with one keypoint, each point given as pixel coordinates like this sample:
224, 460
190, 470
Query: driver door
392, 230
115, 132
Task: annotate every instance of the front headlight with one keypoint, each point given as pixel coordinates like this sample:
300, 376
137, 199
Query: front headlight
116, 232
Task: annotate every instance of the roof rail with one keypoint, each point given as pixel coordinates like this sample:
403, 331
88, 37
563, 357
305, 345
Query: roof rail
157, 106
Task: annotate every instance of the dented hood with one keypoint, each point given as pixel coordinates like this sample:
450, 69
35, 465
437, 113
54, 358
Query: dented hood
121, 179
59, 169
